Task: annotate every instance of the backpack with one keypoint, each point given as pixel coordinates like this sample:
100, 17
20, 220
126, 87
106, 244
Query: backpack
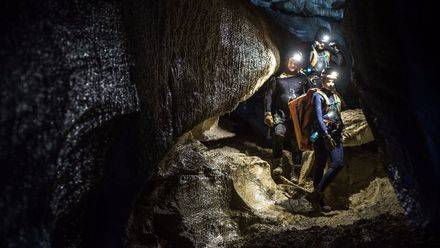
303, 116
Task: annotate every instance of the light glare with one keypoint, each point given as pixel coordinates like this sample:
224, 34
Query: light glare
297, 57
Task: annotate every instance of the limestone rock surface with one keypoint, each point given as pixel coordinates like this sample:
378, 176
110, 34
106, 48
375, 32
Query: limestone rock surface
211, 197
357, 127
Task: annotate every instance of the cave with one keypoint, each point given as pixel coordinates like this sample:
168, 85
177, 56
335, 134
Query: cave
140, 124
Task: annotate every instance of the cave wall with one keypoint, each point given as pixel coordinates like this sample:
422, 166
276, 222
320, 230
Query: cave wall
395, 78
65, 89
93, 94
194, 61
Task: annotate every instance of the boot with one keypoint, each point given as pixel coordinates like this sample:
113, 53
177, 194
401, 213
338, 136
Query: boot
324, 207
278, 171
314, 199
276, 165
294, 178
295, 172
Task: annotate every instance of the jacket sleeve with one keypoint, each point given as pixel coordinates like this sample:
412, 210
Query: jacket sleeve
269, 95
317, 104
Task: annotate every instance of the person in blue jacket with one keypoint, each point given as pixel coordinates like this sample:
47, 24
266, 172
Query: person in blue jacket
327, 138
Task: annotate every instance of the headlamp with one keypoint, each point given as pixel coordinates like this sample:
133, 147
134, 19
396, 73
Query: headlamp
297, 57
333, 75
325, 38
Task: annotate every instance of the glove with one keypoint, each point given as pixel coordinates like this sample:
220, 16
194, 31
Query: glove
330, 143
268, 119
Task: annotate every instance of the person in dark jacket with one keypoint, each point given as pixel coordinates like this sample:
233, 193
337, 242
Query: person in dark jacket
277, 115
327, 138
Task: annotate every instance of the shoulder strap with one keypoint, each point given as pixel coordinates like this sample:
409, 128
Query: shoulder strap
313, 57
327, 101
337, 100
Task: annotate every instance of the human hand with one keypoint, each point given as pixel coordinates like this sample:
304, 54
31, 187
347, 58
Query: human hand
329, 142
268, 119
345, 135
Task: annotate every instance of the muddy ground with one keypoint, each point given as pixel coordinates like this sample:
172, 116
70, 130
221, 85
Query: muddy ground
366, 214
214, 189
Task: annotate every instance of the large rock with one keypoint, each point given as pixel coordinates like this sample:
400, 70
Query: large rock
193, 61
357, 127
187, 203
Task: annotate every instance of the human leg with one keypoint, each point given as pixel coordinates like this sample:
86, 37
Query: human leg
321, 155
336, 164
279, 132
278, 145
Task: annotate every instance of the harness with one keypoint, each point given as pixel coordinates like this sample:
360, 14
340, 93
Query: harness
331, 106
333, 118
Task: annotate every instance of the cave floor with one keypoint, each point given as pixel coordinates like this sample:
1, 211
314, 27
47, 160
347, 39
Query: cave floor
370, 212
255, 186
216, 190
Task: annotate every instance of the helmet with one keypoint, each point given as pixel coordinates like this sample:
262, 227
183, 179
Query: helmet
330, 74
297, 57
296, 61
322, 35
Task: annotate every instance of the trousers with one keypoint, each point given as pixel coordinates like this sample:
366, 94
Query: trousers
283, 133
321, 181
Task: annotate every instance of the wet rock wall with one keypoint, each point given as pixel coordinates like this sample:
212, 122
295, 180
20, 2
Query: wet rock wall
198, 59
395, 79
65, 89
